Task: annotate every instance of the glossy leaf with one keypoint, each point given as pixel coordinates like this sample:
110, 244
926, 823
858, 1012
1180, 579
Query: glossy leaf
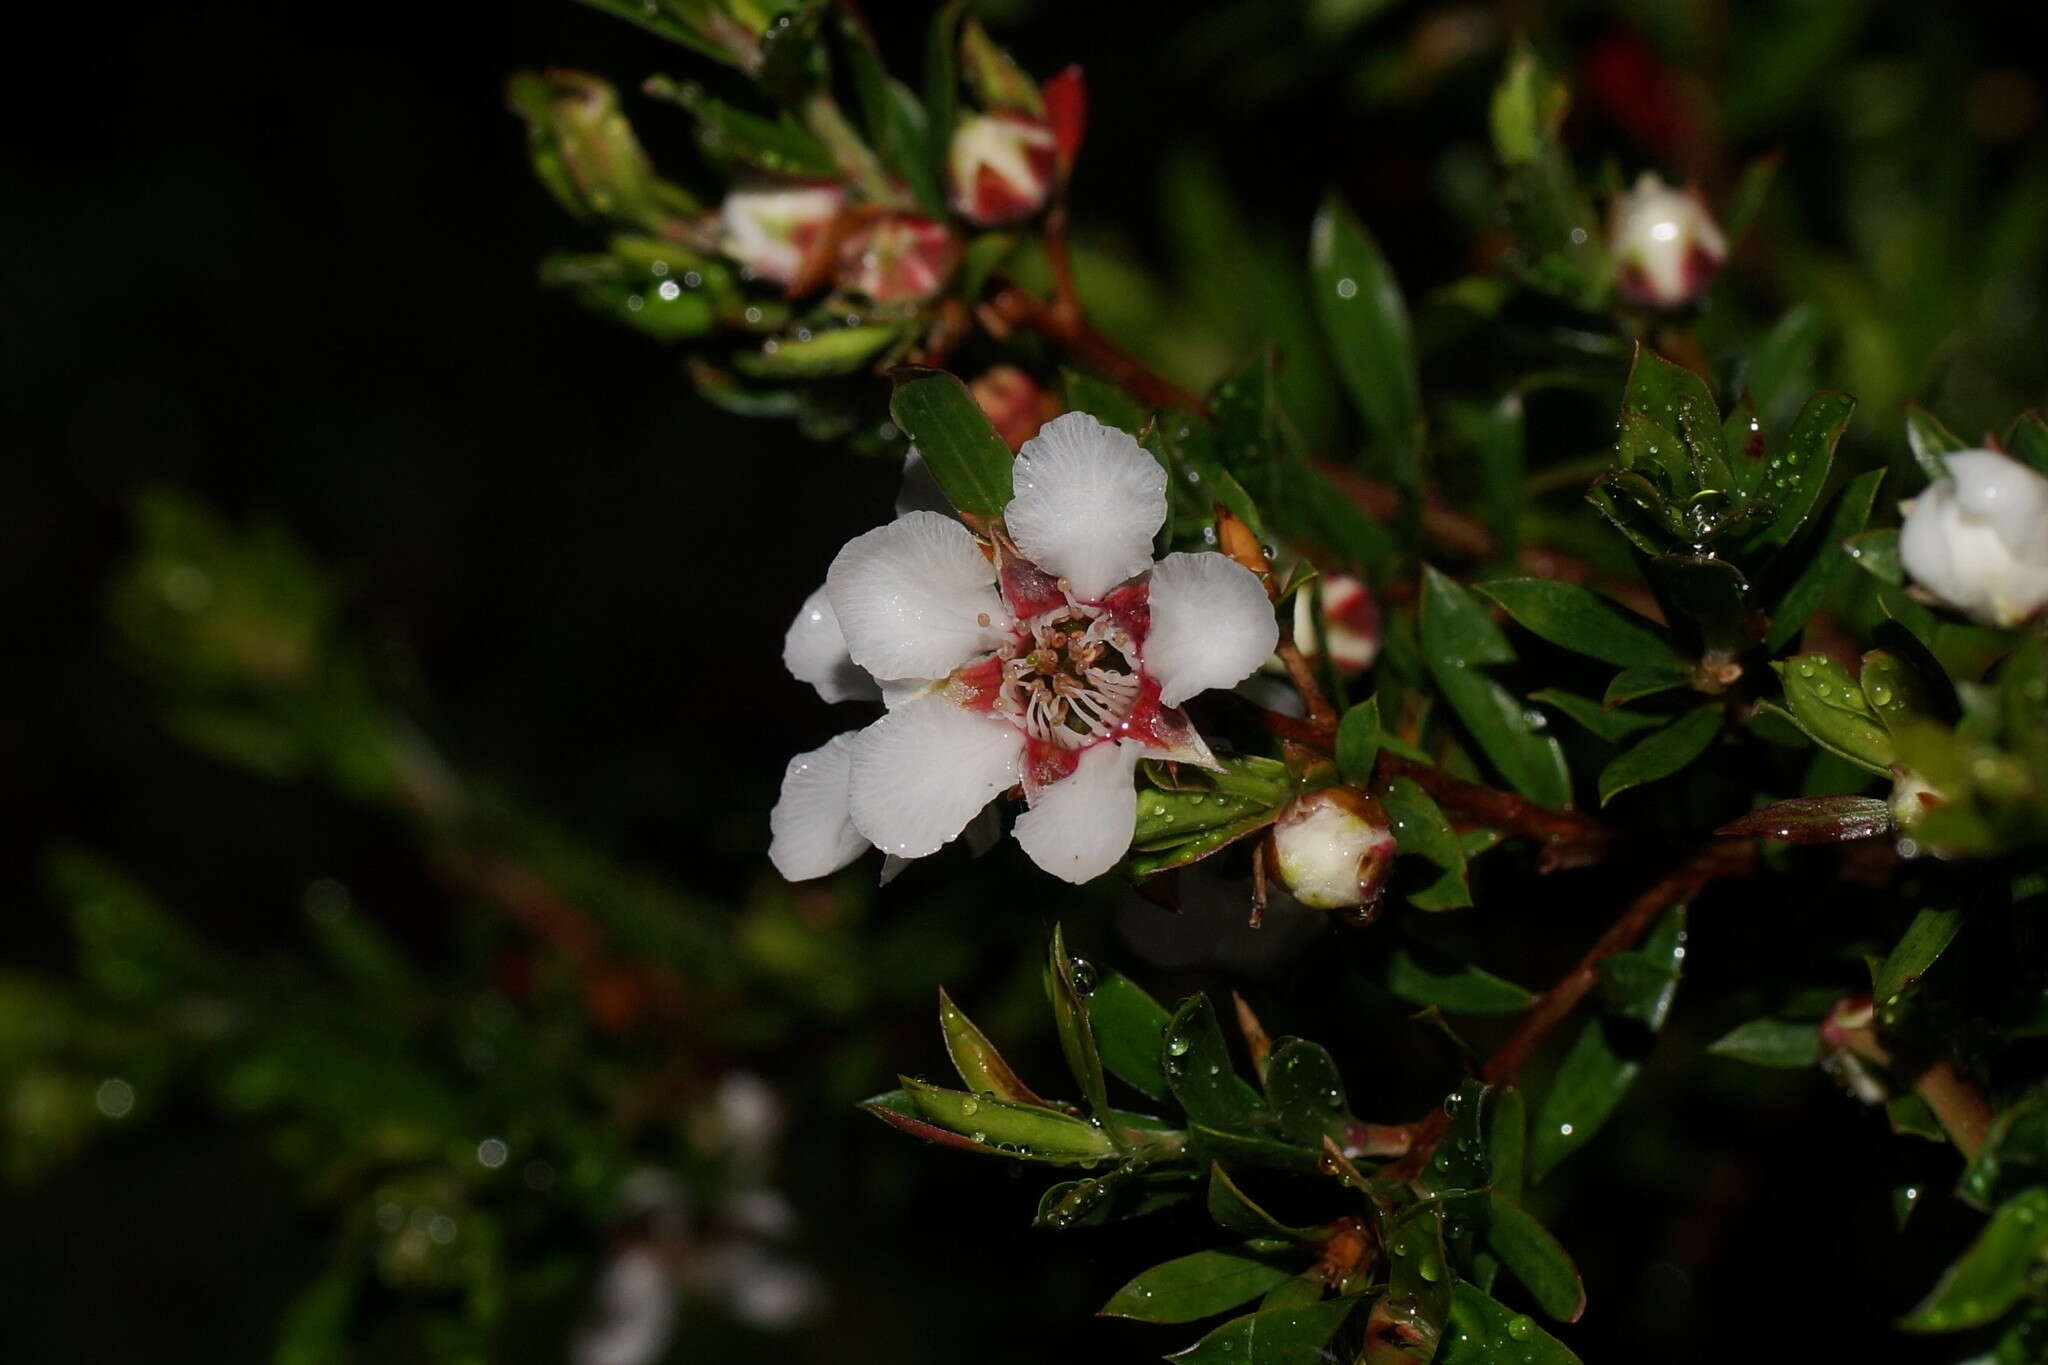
1796, 473
1104, 401
1191, 1287
1068, 983
1367, 325
1358, 741
1507, 1141
1771, 1042
1409, 1319
1603, 1060
1199, 1071
1129, 1191
982, 1068
1536, 1258
1460, 1170
1306, 1093
1662, 753
1273, 1336
1633, 684
1421, 829
1612, 725
1457, 988
729, 133
1925, 939
1814, 820
1484, 1331
1130, 1031
1989, 1277
1583, 621
1829, 706
1930, 442
959, 445
1021, 1130
1830, 566
2015, 1152
836, 350
1458, 639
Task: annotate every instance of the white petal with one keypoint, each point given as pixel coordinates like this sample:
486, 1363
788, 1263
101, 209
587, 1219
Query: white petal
1082, 824
922, 772
814, 651
916, 598
1211, 625
813, 828
1978, 540
1089, 500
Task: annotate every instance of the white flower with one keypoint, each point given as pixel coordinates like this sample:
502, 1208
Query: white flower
1667, 247
1978, 539
771, 228
1001, 167
1055, 657
1332, 849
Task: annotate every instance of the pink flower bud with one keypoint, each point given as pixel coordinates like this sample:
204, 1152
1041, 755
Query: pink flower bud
1002, 167
1016, 403
1332, 849
1667, 247
1350, 628
898, 258
771, 229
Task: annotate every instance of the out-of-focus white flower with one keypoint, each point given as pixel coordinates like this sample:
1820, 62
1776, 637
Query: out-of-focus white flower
750, 1113
1332, 849
1054, 657
1667, 248
772, 228
1002, 167
634, 1315
898, 258
1350, 628
759, 1287
1978, 539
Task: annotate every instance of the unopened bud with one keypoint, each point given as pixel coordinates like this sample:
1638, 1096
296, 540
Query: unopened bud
1978, 539
1002, 167
1016, 403
772, 229
898, 258
1332, 849
1667, 247
1350, 633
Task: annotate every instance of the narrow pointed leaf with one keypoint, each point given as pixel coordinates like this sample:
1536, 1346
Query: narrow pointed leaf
1358, 741
1306, 1093
1661, 754
1421, 829
1064, 984
1199, 1072
1795, 474
1814, 820
1458, 639
1023, 1131
1771, 1042
1273, 1336
1535, 1258
1124, 1193
1484, 1331
1583, 621
1925, 939
1992, 1275
1455, 987
1610, 724
1130, 1031
1367, 325
1235, 1211
982, 1068
1830, 566
1931, 442
1191, 1287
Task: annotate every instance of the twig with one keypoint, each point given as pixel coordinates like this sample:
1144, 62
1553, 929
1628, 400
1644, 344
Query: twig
1013, 307
1569, 838
1964, 1112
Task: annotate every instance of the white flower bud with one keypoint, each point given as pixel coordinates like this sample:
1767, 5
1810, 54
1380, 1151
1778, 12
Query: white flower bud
772, 228
1667, 247
1332, 849
1351, 621
1001, 166
1978, 539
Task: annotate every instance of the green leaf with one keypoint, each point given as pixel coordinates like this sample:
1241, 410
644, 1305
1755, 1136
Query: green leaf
1370, 340
997, 81
727, 133
1785, 355
1167, 818
1306, 1093
1191, 1287
1663, 753
1931, 442
1199, 1072
1459, 1171
1608, 724
1130, 1191
1830, 566
1661, 391
1456, 987
2015, 1152
1358, 742
834, 350
1485, 1332
1410, 1317
1536, 1258
1104, 401
1507, 1141
1498, 443
959, 445
1990, 1277
982, 1068
1302, 1289
2028, 441
1273, 1336
942, 79
1421, 829
1830, 707
1235, 1211
1130, 1030
1026, 1132
894, 118
1068, 982
1582, 621
1795, 474
1925, 939
1632, 684
1771, 1042
1604, 1059
701, 28
1877, 554
1458, 638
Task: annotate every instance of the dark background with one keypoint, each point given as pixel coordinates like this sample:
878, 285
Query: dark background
283, 258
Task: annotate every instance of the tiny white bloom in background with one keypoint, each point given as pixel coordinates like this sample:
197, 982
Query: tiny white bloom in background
1002, 167
771, 228
1054, 660
1350, 628
1978, 539
1332, 849
1667, 248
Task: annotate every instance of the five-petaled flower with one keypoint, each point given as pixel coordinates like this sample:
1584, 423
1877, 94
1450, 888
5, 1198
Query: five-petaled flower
1978, 539
1667, 247
1052, 655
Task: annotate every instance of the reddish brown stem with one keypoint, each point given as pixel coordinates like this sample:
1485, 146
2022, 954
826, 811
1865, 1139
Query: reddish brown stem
1072, 332
1964, 1112
1569, 838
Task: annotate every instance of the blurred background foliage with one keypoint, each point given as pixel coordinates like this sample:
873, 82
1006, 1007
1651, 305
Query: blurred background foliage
396, 706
